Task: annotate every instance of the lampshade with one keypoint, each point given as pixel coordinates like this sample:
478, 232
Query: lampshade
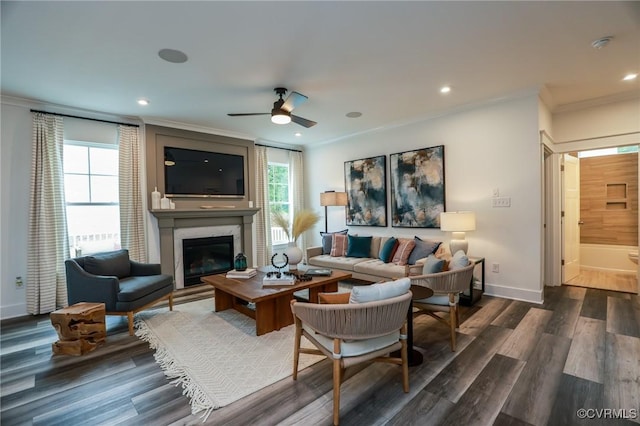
280, 117
332, 198
458, 221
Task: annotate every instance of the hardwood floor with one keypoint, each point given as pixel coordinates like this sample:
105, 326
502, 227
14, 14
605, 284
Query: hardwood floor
517, 363
605, 280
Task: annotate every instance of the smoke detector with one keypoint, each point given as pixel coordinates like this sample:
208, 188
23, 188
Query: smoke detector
601, 42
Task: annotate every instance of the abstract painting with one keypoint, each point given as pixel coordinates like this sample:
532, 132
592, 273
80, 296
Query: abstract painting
366, 187
417, 188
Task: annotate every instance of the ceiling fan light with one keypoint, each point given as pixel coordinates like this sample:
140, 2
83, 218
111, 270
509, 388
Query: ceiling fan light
280, 118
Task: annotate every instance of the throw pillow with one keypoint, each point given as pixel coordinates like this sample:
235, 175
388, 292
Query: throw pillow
433, 265
422, 249
459, 260
388, 250
334, 298
339, 245
379, 291
327, 240
358, 246
109, 264
403, 252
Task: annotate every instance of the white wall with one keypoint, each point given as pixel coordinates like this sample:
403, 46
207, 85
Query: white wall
15, 154
597, 121
495, 146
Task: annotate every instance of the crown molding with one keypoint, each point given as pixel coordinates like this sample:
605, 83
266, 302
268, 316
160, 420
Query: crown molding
63, 109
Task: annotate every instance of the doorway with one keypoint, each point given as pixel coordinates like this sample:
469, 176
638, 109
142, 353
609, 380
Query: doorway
600, 218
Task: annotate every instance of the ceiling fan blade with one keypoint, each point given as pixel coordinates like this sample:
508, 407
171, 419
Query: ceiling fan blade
302, 121
293, 100
249, 113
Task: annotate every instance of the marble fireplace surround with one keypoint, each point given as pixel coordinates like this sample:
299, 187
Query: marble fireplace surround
228, 221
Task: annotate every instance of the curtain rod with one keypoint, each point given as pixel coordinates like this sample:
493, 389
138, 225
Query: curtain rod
85, 118
277, 147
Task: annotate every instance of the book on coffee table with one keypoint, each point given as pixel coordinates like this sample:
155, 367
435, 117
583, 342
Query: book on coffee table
246, 274
275, 281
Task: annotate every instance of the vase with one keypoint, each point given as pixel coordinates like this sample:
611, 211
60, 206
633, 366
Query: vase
294, 253
240, 262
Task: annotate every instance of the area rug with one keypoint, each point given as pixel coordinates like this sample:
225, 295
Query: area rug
216, 356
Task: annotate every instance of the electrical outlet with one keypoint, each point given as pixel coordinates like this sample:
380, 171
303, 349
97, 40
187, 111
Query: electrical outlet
501, 202
19, 282
495, 268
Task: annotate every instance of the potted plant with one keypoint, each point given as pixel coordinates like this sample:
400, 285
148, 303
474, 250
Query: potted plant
303, 220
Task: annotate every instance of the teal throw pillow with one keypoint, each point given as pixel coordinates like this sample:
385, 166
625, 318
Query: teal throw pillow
422, 249
388, 250
379, 291
459, 260
358, 246
432, 265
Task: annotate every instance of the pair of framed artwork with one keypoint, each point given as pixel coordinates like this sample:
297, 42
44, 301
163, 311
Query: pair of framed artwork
417, 189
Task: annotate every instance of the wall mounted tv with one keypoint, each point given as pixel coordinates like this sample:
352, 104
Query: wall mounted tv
193, 173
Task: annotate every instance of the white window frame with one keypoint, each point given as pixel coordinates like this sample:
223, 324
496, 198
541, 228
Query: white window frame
75, 242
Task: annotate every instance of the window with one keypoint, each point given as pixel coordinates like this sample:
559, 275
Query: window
92, 195
279, 197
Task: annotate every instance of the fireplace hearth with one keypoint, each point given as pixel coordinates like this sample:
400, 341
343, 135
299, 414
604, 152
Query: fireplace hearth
206, 256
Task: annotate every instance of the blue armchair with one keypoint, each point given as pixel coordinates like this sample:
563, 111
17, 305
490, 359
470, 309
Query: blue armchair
123, 285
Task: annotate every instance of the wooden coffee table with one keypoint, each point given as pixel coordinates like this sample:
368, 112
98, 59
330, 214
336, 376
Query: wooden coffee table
272, 304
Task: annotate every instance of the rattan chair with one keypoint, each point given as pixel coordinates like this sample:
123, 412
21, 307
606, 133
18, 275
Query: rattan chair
349, 334
447, 287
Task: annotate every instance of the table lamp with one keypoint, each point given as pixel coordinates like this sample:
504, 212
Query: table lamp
458, 223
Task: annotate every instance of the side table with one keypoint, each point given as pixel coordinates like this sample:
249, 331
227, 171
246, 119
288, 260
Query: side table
414, 357
473, 295
81, 328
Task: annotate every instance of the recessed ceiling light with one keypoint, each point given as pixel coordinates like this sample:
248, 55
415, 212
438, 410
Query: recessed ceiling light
143, 102
173, 56
298, 134
445, 89
354, 114
630, 76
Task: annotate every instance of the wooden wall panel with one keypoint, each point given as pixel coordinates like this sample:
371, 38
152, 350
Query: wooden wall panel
609, 217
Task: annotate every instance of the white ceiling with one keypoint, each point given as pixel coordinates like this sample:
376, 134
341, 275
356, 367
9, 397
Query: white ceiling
384, 59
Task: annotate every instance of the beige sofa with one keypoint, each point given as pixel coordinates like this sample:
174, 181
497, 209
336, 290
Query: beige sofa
367, 268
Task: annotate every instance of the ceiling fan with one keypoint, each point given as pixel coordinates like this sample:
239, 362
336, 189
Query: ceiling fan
281, 112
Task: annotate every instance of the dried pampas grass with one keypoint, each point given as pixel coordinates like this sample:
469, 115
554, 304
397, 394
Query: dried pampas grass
302, 221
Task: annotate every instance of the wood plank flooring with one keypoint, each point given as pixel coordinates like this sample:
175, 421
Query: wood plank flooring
605, 280
517, 364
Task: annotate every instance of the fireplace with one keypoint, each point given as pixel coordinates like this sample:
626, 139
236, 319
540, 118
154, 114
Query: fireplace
175, 225
206, 256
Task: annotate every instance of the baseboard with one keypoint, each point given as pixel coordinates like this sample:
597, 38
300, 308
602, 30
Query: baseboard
13, 311
532, 296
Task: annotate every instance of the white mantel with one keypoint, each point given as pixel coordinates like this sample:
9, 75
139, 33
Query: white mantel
170, 220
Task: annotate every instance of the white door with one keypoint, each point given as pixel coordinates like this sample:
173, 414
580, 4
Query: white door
571, 219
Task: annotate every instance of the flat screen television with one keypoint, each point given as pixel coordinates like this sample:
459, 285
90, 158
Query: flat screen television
193, 173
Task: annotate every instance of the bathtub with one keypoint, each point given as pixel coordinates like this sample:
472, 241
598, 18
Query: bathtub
611, 258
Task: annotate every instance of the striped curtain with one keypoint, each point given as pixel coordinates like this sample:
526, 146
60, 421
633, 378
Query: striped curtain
132, 235
263, 217
48, 247
296, 178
